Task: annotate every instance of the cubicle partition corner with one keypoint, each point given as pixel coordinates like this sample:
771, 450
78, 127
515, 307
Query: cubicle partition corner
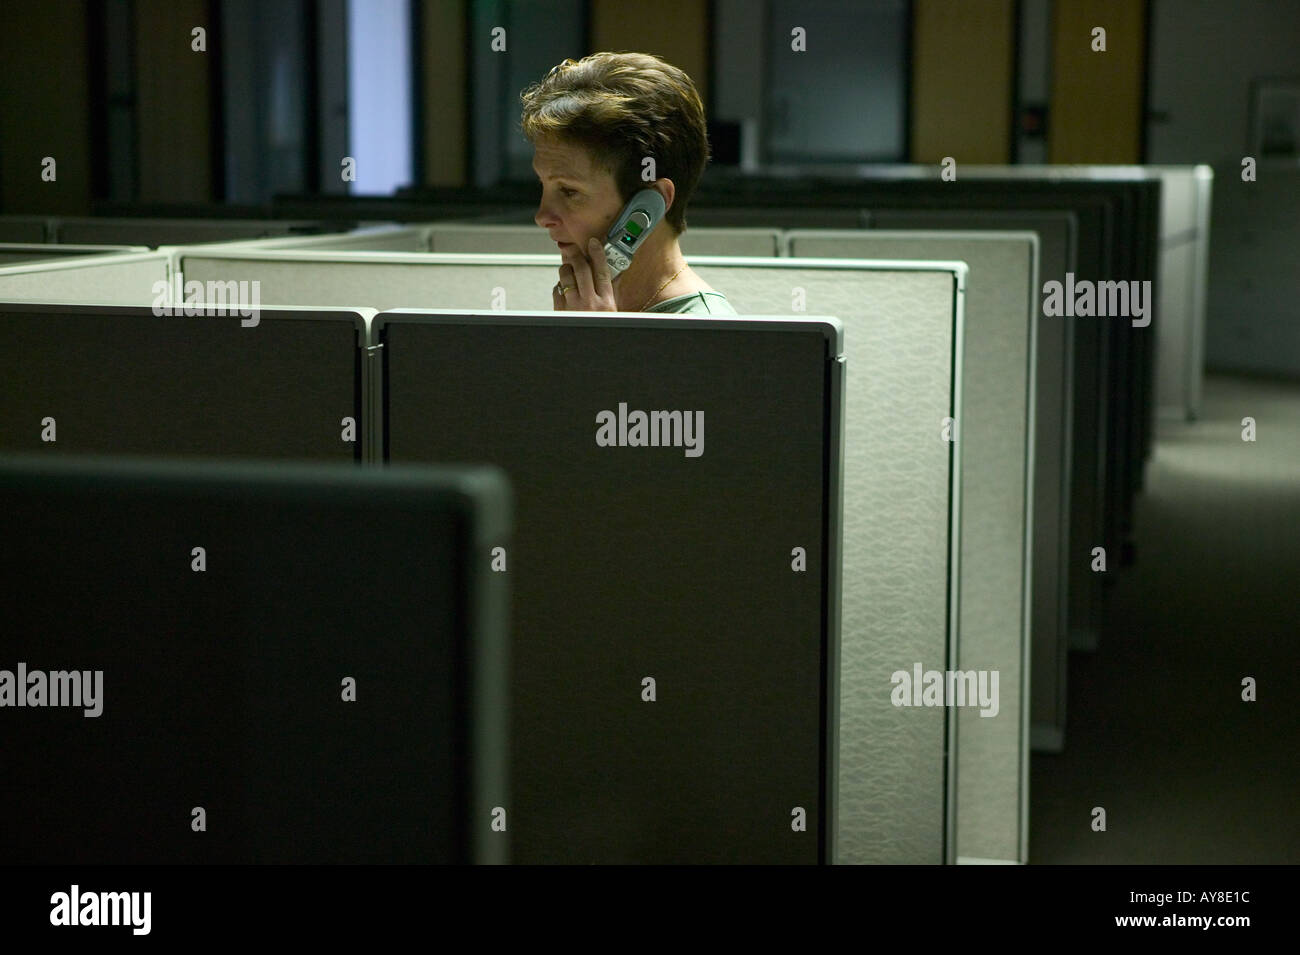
675, 600
251, 709
904, 325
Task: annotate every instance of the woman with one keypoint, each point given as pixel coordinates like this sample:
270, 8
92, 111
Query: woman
593, 125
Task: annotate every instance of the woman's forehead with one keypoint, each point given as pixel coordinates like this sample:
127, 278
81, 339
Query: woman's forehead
556, 159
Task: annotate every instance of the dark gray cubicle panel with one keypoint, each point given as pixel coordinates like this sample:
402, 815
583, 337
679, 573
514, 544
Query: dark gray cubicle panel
14, 253
997, 509
156, 232
121, 380
25, 229
784, 217
708, 565
1057, 233
223, 674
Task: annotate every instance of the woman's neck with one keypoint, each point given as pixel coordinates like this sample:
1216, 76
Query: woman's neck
650, 279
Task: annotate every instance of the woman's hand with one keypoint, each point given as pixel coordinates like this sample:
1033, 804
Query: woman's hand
585, 281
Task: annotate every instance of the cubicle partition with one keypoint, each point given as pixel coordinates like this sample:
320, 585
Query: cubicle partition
674, 581
1053, 464
902, 322
122, 380
127, 279
996, 431
1186, 200
15, 253
99, 230
26, 229
515, 239
245, 662
381, 238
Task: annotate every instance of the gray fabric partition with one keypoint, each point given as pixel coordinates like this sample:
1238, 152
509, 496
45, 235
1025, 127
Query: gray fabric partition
120, 380
156, 232
488, 239
390, 281
997, 484
376, 239
126, 279
673, 563
899, 322
1053, 443
26, 229
223, 686
14, 253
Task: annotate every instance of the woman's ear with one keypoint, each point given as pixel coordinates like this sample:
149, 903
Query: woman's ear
667, 190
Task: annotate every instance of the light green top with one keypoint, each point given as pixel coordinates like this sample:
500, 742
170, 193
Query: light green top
696, 303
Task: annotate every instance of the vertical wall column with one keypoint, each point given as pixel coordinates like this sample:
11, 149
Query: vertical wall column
963, 58
44, 107
1097, 96
173, 101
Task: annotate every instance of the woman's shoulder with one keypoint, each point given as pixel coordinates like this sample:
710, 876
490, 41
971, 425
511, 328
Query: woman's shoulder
703, 302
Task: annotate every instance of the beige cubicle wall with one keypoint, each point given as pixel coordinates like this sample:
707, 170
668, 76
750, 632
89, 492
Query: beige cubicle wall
126, 279
381, 238
1053, 576
17, 253
1185, 202
488, 239
998, 606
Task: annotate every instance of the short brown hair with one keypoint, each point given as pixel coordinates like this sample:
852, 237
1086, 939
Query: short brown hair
623, 107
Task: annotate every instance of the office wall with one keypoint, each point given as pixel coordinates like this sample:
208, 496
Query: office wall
1204, 53
1203, 58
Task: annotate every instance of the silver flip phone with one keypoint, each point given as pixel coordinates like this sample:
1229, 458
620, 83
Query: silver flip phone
643, 212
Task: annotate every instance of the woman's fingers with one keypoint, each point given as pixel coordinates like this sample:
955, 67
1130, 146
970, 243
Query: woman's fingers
582, 278
602, 283
562, 290
590, 286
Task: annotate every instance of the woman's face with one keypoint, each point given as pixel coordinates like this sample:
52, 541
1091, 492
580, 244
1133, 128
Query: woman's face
579, 198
